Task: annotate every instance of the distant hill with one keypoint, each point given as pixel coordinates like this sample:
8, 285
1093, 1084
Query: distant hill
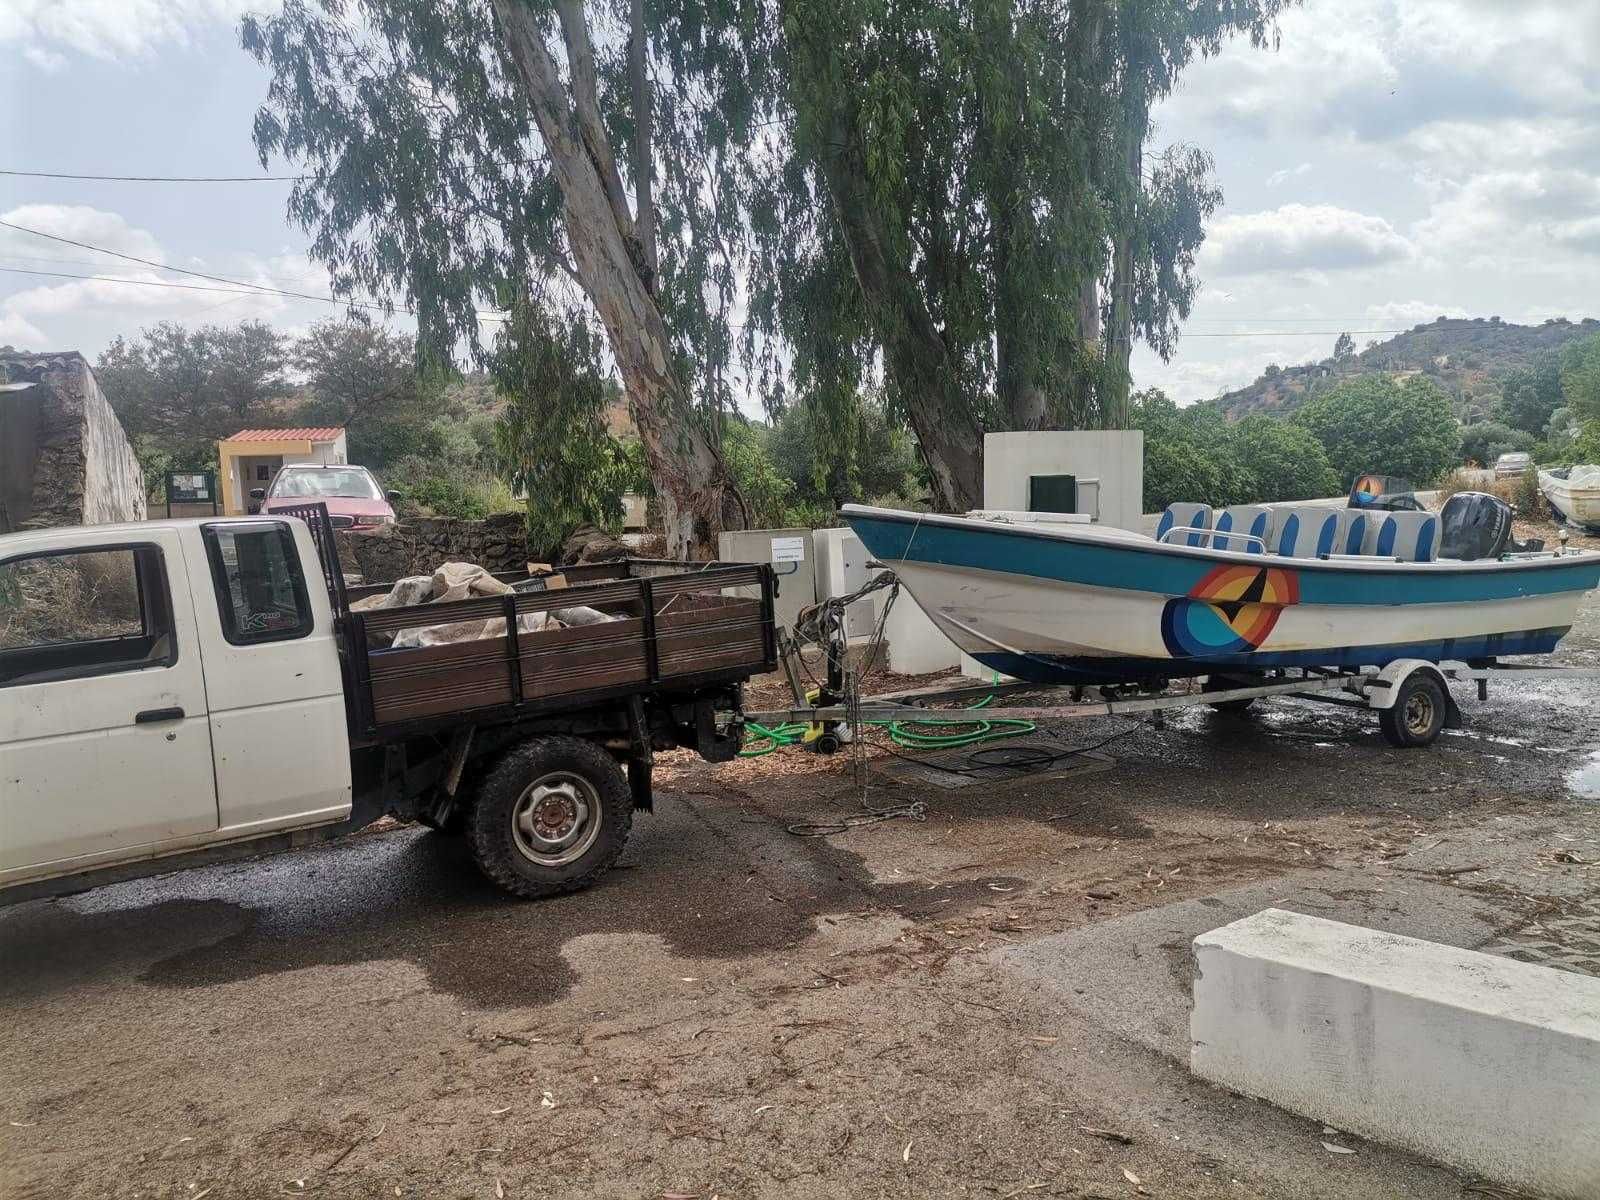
1467, 358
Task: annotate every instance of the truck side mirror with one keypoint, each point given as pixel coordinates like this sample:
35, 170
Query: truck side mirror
258, 493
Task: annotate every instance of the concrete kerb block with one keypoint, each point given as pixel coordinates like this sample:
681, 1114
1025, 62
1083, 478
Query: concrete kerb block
1481, 1062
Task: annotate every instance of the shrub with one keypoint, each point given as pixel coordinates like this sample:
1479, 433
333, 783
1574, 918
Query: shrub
1372, 423
1526, 497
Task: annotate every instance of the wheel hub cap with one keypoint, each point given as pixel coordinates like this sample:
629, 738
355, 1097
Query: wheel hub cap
555, 820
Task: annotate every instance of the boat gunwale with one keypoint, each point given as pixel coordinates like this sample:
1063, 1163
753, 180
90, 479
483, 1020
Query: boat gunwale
1141, 543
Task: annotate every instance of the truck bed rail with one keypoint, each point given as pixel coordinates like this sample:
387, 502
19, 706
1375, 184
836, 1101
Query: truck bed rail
700, 626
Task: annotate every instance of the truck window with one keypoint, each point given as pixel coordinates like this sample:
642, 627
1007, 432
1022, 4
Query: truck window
261, 591
73, 613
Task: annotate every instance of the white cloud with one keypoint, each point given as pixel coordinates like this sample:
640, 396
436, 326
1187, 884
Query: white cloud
1394, 313
45, 60
1516, 220
1285, 174
1307, 238
18, 332
80, 223
113, 28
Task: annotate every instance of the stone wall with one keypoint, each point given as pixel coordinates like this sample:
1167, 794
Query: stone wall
417, 545
64, 459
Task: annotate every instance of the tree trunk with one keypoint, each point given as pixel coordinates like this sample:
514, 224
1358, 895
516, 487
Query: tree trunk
915, 355
1130, 189
690, 477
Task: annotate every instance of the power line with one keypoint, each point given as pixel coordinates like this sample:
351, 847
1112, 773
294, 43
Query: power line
156, 178
197, 287
234, 283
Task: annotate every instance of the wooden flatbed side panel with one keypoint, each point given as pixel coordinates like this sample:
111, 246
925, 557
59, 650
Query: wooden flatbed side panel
425, 681
583, 658
725, 633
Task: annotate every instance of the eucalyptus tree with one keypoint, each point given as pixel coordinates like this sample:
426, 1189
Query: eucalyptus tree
470, 153
978, 170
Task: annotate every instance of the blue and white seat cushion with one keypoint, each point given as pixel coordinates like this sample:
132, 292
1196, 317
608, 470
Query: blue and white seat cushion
1306, 532
1252, 519
1408, 536
1181, 515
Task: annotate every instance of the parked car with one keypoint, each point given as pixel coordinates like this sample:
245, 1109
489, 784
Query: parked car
1512, 465
353, 497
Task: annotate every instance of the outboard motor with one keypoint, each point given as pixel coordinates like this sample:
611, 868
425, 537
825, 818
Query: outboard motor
1474, 525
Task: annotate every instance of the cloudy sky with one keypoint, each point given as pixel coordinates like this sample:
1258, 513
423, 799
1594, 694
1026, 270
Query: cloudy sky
1389, 162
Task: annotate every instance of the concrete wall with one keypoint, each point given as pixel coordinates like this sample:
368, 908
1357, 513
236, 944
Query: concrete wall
1113, 456
64, 457
797, 581
1482, 1062
418, 545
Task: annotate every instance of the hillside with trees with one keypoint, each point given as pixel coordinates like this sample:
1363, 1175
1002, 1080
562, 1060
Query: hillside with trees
1469, 360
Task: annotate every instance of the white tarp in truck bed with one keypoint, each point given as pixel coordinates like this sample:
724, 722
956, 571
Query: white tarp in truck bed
465, 581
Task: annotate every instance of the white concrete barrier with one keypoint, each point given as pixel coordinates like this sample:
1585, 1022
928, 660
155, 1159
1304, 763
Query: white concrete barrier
1481, 1062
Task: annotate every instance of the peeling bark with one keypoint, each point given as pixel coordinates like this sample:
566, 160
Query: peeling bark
694, 491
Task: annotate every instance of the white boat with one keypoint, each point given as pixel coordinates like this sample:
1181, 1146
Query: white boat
1574, 494
1257, 588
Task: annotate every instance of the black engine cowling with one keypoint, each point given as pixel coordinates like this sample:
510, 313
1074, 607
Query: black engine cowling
1474, 525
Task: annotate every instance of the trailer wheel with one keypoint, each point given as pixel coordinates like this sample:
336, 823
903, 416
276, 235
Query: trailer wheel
551, 817
1419, 712
1235, 708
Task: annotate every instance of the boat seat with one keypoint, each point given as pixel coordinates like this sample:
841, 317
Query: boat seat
1408, 536
1253, 519
1306, 532
1354, 531
1185, 516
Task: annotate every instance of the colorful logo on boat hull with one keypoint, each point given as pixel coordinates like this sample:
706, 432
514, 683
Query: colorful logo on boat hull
1230, 611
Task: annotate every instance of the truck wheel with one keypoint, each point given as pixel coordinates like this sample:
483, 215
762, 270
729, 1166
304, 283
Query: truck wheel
551, 817
1418, 713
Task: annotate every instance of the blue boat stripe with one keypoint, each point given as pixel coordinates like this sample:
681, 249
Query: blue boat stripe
1357, 536
1052, 668
1325, 538
1386, 536
1291, 530
1425, 540
1163, 525
1144, 568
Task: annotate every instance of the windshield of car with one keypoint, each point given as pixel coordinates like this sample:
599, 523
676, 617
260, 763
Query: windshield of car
326, 481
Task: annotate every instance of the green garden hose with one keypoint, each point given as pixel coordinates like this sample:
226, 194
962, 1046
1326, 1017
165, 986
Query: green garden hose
901, 733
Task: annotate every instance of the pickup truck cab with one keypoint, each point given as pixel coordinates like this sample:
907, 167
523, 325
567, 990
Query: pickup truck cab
180, 692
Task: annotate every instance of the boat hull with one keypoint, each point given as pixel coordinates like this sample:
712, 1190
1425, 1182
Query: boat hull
1095, 607
1574, 505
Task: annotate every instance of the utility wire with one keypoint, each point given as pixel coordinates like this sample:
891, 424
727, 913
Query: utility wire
198, 287
235, 284
156, 178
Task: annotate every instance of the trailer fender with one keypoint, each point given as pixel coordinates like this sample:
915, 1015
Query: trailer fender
1381, 689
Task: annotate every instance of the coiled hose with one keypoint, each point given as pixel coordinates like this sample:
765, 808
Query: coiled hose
913, 735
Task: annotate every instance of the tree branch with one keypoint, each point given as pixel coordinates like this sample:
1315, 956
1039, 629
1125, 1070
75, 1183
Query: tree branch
586, 106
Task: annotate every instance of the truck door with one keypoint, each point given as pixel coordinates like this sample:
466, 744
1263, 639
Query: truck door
105, 743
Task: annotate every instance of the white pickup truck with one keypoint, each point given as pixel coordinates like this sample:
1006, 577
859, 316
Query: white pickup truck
174, 693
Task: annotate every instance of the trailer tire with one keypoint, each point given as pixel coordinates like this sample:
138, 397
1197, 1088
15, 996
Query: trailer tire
551, 817
1418, 714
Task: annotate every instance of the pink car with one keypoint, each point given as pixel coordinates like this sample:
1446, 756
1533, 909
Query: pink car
353, 497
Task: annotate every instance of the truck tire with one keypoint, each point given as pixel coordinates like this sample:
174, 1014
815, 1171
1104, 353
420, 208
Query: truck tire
1419, 712
551, 817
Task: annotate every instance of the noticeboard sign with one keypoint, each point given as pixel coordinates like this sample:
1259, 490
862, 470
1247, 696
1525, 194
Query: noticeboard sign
197, 487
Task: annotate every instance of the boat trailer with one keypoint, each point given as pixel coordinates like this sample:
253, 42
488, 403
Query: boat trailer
1410, 695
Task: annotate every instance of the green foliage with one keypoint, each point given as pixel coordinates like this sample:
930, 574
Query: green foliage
1580, 378
830, 466
469, 493
1285, 461
1194, 454
551, 441
178, 390
1371, 423
1488, 440
1585, 447
745, 447
1526, 499
1529, 395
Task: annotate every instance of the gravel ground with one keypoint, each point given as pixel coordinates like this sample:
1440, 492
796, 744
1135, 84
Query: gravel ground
990, 1002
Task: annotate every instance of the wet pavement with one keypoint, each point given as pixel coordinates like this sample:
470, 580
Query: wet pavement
738, 1011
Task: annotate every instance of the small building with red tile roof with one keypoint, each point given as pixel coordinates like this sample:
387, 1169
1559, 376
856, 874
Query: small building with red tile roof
248, 460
